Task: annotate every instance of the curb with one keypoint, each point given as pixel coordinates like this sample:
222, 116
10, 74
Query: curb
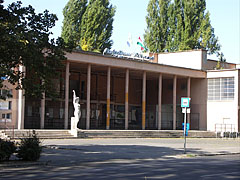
202, 155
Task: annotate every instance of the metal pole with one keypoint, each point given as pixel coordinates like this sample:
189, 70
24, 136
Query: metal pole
185, 119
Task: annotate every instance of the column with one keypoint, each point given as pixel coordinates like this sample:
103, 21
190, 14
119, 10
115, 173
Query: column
66, 96
42, 111
23, 111
144, 101
189, 96
108, 98
20, 96
20, 103
126, 98
88, 96
174, 102
160, 102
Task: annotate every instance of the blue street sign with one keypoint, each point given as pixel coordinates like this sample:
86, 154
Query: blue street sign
187, 127
185, 102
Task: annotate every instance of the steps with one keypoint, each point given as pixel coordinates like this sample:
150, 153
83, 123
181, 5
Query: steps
42, 134
142, 134
64, 134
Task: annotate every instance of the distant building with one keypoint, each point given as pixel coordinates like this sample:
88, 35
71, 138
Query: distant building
133, 93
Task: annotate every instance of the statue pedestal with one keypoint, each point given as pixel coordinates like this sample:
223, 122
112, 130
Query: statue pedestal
74, 128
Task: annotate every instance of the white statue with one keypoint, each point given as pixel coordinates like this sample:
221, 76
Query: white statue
77, 111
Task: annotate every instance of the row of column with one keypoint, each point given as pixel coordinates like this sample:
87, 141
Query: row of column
126, 99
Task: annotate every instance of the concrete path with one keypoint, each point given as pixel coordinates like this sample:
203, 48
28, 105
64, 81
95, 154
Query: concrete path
130, 159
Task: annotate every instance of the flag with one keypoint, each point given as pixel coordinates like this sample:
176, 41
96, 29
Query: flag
129, 42
140, 43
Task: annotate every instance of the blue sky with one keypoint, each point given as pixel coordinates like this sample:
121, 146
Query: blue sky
130, 19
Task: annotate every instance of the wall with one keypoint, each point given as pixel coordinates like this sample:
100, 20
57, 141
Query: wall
198, 102
211, 64
187, 59
13, 111
238, 100
118, 87
223, 112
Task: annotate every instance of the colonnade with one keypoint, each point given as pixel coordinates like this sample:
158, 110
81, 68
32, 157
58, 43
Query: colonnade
144, 79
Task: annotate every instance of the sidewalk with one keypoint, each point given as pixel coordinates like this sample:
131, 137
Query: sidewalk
91, 159
91, 150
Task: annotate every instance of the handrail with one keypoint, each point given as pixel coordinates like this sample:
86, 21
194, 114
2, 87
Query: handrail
225, 127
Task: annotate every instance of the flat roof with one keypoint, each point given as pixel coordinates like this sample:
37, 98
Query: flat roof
79, 56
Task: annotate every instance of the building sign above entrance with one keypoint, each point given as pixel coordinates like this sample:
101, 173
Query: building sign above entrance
121, 54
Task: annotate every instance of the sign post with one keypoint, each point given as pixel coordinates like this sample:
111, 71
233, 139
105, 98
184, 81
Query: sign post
185, 103
185, 121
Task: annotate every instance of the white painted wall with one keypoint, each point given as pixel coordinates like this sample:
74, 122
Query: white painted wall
187, 59
223, 112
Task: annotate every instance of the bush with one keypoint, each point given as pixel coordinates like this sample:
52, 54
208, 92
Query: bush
30, 148
7, 148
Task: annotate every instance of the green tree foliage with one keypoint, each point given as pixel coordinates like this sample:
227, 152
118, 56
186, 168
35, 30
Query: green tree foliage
24, 41
73, 12
179, 25
151, 36
92, 29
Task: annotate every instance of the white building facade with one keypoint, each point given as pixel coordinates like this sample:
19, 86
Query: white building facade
223, 100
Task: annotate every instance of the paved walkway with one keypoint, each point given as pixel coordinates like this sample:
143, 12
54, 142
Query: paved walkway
130, 159
99, 150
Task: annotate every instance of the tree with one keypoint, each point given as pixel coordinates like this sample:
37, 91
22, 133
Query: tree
25, 42
92, 29
151, 36
73, 12
182, 24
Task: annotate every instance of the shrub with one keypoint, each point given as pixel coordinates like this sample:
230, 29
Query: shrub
30, 148
7, 148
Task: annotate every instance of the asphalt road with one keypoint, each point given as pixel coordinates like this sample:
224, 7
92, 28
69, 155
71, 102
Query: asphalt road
130, 159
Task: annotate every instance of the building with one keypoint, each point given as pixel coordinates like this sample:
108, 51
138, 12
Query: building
133, 93
223, 100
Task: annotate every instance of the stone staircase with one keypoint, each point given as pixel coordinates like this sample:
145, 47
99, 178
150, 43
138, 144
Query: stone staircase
42, 134
142, 134
65, 134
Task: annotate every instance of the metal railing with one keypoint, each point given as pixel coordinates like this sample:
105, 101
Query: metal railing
224, 127
226, 131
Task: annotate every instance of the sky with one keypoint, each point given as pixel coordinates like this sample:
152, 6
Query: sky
130, 20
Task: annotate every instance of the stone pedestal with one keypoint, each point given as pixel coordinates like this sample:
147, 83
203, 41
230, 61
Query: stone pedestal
74, 129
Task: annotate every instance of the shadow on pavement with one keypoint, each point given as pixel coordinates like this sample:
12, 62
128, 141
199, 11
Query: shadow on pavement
122, 162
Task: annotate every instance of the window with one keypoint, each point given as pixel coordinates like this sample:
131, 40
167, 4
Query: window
9, 116
221, 89
6, 93
9, 105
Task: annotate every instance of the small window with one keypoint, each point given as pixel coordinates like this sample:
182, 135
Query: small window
9, 116
3, 116
10, 105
